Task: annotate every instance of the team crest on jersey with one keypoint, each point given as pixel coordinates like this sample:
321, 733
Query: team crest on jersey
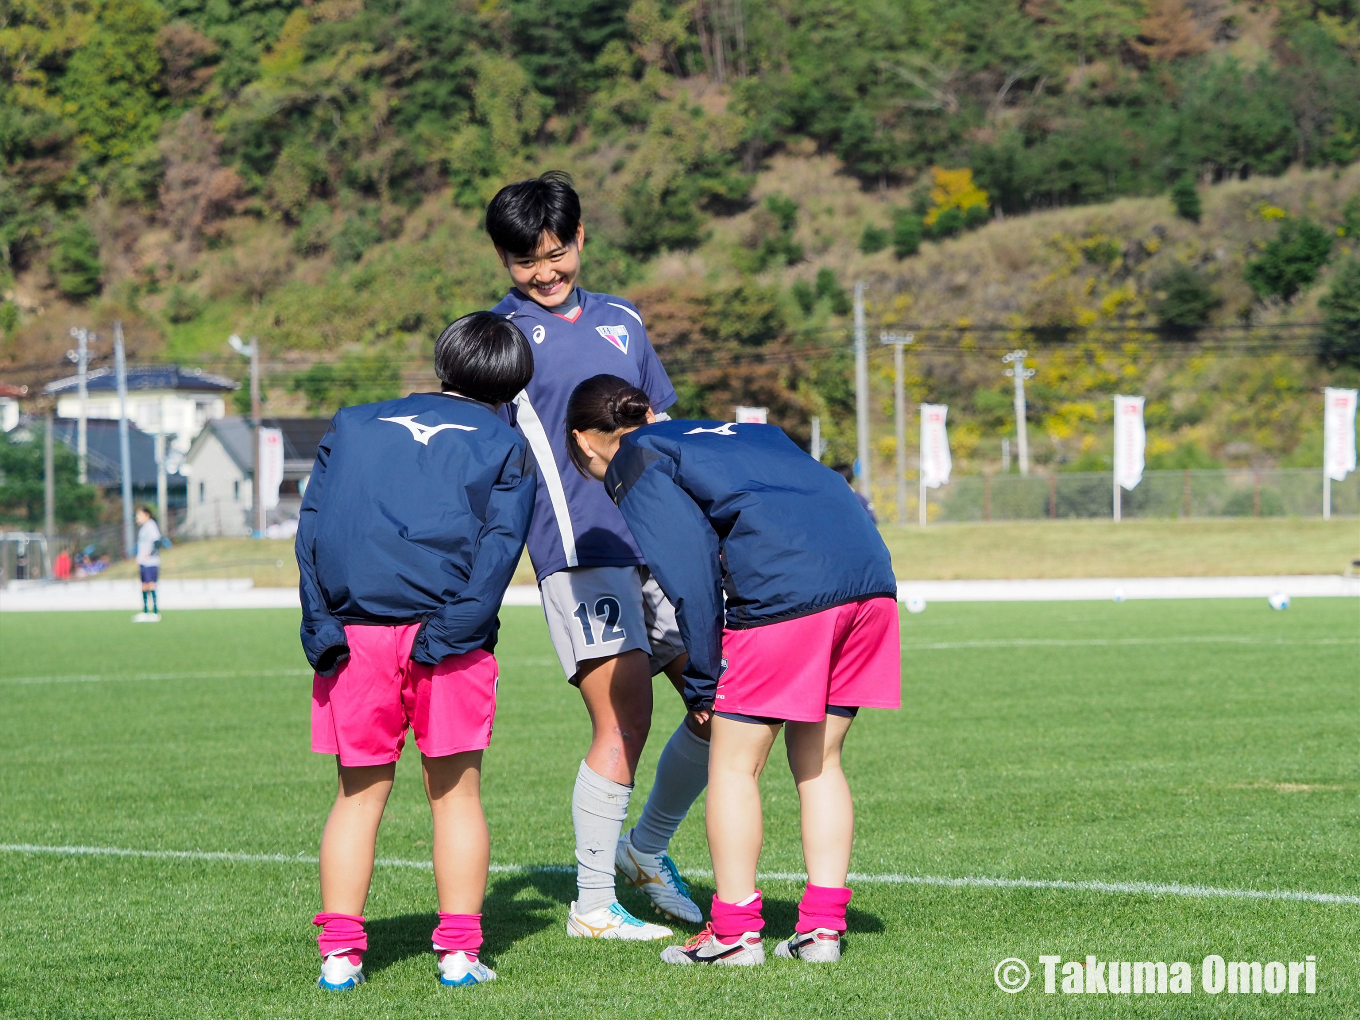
616, 335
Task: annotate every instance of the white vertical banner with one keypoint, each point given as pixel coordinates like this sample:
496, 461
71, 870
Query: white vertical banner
1130, 440
935, 460
271, 466
1338, 433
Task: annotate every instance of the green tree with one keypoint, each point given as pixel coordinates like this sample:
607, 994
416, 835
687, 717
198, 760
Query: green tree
873, 239
21, 481
1185, 198
1291, 262
1340, 340
907, 231
1184, 298
74, 262
357, 378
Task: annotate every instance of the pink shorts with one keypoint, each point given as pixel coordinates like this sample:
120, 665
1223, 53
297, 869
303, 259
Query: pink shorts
847, 657
363, 711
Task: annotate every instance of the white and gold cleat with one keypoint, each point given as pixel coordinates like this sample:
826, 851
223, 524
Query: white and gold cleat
612, 922
657, 876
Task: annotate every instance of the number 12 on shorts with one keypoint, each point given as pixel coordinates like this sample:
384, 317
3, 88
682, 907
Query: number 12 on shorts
608, 613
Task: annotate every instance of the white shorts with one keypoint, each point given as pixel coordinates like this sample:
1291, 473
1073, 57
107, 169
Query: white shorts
601, 612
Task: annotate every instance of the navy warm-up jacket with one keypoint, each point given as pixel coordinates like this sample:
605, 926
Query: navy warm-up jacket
415, 512
720, 507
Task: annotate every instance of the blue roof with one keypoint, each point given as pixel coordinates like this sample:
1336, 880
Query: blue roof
148, 377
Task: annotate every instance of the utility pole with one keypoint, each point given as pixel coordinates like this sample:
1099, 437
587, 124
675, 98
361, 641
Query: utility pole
49, 489
898, 341
124, 455
1018, 372
251, 350
81, 356
864, 475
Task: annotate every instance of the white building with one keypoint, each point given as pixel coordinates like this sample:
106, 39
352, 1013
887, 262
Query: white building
161, 398
220, 466
9, 405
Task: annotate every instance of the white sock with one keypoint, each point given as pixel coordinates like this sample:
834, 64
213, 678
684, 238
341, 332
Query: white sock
598, 808
681, 775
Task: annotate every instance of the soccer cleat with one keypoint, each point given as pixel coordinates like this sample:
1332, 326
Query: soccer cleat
147, 618
657, 876
457, 968
821, 945
744, 951
338, 974
612, 922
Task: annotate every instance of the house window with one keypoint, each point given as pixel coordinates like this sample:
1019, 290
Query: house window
236, 491
202, 493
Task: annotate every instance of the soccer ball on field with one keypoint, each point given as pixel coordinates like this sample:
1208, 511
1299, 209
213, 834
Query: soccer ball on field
1279, 600
916, 604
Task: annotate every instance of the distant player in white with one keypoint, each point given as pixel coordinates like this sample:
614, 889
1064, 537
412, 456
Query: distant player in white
148, 563
610, 624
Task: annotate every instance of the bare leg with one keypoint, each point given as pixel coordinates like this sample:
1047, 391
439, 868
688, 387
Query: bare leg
736, 829
350, 836
618, 695
827, 812
699, 723
462, 848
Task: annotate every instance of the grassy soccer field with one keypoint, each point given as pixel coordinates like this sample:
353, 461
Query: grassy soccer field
1200, 743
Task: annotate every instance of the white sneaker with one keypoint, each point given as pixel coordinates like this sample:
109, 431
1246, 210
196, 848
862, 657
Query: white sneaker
821, 945
657, 876
338, 974
744, 951
457, 968
612, 922
147, 618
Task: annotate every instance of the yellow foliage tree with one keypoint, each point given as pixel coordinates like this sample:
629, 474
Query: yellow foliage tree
953, 189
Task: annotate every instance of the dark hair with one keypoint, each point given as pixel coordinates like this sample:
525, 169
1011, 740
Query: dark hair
484, 356
521, 213
846, 471
146, 509
603, 403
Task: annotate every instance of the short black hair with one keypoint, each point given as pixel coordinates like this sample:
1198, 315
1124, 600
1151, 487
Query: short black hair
484, 356
603, 403
521, 213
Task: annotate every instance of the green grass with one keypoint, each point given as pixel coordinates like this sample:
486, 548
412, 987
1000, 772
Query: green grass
1196, 742
1135, 548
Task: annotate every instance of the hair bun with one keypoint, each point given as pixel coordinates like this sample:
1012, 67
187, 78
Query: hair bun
629, 408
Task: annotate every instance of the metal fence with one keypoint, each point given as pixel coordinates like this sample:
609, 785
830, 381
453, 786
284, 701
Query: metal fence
1228, 493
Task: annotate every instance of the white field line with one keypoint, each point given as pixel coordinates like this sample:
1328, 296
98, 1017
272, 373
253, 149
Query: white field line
1225, 639
97, 678
969, 882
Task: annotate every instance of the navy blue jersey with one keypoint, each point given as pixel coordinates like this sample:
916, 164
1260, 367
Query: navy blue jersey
575, 524
740, 510
416, 511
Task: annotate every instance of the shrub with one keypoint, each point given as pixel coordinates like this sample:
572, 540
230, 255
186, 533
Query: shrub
355, 379
9, 316
949, 223
75, 262
828, 287
312, 235
182, 306
874, 239
771, 237
356, 235
1185, 198
1291, 262
906, 234
1184, 298
1340, 340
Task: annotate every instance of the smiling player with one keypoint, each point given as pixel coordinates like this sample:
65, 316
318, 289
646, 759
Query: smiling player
611, 626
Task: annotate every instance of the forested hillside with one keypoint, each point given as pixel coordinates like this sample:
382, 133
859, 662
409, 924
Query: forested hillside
315, 173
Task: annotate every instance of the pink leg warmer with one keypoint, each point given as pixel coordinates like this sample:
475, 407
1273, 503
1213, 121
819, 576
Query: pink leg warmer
340, 932
458, 932
732, 919
823, 907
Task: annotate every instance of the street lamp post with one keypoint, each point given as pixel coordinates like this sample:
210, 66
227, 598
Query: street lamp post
1018, 372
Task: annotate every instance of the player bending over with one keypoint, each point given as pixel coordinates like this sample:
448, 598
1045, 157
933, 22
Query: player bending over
809, 635
410, 530
611, 626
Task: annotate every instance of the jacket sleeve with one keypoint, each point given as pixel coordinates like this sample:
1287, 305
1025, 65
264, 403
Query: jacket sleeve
323, 636
466, 622
681, 550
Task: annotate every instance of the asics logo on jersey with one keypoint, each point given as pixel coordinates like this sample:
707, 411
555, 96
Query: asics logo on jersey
539, 334
721, 430
616, 335
422, 433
